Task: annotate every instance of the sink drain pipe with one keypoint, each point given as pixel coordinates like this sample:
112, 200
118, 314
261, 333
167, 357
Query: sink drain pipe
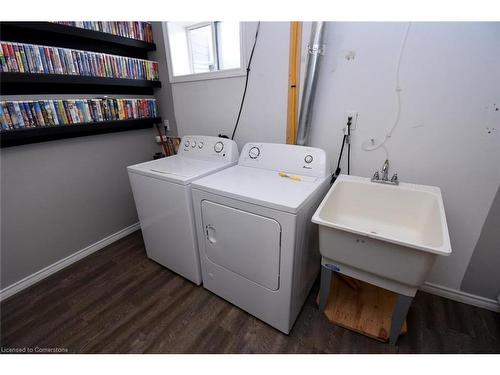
315, 49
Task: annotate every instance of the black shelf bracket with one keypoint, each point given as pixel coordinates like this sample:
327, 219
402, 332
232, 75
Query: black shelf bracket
35, 83
17, 137
53, 34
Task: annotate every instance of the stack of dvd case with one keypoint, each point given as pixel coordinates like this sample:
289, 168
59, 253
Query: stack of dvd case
30, 58
41, 113
131, 29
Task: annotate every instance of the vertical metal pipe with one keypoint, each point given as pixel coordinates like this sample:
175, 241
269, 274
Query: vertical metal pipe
315, 49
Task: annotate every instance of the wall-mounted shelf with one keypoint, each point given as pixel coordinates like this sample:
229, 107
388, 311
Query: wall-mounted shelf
53, 34
33, 83
63, 36
24, 136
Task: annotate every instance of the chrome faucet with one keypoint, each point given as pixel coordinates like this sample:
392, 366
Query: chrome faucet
385, 175
385, 170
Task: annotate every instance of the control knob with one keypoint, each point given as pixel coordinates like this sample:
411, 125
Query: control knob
218, 147
254, 152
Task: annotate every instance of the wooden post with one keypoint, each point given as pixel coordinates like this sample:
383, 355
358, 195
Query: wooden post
293, 82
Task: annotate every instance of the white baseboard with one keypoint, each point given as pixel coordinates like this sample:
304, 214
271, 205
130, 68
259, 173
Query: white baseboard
59, 265
457, 295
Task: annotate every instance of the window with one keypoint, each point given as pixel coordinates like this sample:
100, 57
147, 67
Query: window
204, 50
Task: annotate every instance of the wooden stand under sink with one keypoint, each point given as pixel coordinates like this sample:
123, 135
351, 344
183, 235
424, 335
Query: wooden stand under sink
361, 307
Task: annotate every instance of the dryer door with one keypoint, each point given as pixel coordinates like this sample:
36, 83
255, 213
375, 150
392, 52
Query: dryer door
242, 242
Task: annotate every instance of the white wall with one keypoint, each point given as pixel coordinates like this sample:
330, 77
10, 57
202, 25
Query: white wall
450, 77
163, 95
210, 107
61, 196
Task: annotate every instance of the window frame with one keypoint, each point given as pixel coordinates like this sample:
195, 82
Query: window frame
218, 74
190, 43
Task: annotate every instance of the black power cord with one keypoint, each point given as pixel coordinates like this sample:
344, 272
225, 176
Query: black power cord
349, 120
337, 171
246, 80
348, 137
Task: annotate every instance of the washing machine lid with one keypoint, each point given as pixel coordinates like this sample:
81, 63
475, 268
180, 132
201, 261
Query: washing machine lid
261, 186
179, 169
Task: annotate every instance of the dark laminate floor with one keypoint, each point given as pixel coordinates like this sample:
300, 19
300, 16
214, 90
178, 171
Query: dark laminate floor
118, 301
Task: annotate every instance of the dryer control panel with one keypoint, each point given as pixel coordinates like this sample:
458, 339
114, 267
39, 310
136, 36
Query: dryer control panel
208, 148
301, 160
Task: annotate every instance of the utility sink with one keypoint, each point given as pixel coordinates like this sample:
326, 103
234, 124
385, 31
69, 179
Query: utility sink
386, 235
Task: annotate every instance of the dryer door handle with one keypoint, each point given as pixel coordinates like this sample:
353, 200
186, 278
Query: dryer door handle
210, 230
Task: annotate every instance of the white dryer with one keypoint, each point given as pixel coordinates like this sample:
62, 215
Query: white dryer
162, 195
258, 247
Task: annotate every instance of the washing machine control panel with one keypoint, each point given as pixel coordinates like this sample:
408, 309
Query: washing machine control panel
210, 148
301, 160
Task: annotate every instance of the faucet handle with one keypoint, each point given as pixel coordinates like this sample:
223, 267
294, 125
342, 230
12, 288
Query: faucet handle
394, 178
376, 176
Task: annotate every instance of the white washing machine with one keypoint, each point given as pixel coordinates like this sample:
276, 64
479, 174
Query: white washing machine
162, 195
258, 247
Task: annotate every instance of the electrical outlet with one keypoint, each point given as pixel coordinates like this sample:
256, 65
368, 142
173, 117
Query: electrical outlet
166, 125
354, 121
